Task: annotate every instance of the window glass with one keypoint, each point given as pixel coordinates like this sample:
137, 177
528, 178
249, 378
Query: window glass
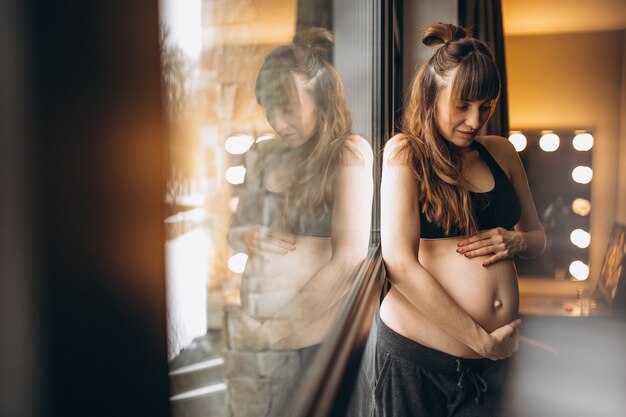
269, 196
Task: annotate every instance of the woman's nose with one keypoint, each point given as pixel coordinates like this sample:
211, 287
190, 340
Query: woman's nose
278, 122
473, 119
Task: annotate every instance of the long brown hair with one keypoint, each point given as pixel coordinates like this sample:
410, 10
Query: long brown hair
443, 194
310, 191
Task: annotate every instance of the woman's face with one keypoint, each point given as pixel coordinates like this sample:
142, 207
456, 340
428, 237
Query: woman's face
460, 122
296, 124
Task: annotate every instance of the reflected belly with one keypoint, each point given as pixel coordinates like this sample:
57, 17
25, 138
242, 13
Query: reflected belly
489, 295
272, 280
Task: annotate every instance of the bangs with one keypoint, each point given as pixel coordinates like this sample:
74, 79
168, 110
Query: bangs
476, 80
275, 84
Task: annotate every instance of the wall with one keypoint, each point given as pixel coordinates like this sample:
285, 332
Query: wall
574, 81
417, 16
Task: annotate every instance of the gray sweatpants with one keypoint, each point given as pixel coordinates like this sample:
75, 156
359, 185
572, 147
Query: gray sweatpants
402, 378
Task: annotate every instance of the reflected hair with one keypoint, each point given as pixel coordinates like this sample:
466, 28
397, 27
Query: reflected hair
444, 196
306, 60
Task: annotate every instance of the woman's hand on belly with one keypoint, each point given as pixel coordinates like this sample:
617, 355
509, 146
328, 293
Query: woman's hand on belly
261, 241
502, 342
499, 242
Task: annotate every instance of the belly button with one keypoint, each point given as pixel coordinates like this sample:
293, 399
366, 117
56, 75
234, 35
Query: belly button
497, 304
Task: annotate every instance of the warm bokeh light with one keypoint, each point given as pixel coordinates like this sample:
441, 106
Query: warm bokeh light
580, 238
583, 142
582, 174
238, 144
237, 262
236, 175
265, 137
549, 142
581, 206
579, 270
518, 140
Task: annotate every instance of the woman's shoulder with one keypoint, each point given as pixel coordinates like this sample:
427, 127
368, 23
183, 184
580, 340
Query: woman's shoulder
500, 148
497, 146
396, 151
357, 150
358, 142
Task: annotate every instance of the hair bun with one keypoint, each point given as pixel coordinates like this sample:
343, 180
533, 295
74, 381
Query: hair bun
441, 33
318, 40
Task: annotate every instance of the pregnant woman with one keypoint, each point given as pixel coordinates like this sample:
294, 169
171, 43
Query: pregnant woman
303, 218
455, 209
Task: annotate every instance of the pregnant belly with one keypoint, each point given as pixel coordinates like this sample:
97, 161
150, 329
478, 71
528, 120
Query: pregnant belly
489, 295
272, 280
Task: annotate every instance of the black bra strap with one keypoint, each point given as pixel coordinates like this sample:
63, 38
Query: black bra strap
497, 171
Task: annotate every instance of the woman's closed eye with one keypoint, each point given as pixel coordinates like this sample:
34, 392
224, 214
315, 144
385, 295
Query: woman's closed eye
484, 106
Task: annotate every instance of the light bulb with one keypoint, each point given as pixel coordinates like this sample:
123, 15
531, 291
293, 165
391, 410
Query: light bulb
582, 174
236, 175
580, 238
237, 262
549, 142
518, 140
238, 144
579, 270
582, 142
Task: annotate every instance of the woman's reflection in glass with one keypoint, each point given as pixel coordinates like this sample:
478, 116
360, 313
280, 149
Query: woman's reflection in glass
303, 219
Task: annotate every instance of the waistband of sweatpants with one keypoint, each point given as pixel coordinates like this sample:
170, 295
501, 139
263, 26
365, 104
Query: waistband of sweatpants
423, 356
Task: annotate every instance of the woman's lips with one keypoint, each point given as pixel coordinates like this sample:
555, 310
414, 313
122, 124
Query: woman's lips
468, 135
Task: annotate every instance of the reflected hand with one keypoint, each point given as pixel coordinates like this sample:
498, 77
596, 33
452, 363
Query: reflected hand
260, 239
498, 242
251, 333
258, 335
503, 342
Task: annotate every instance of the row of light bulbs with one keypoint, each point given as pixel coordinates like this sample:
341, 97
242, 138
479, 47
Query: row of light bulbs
550, 141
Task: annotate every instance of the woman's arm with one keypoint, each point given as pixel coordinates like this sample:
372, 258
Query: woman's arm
245, 233
528, 240
255, 240
529, 224
400, 238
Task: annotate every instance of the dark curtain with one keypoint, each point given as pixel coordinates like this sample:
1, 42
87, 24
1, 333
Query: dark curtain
484, 20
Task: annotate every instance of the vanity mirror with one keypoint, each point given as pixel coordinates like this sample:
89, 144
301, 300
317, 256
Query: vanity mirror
563, 64
558, 164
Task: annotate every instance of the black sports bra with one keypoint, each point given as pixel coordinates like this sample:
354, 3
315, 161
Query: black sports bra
258, 205
499, 207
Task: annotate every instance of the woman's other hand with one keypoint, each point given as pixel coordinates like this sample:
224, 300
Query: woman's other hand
499, 242
502, 342
259, 240
251, 333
